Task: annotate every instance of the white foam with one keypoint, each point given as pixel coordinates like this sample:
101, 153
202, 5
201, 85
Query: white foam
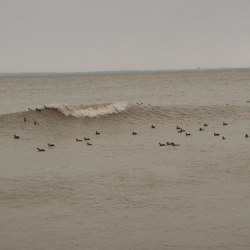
93, 110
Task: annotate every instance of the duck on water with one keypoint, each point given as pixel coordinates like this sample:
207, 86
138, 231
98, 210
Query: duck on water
40, 149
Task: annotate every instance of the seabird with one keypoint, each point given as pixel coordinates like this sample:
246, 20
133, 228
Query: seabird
201, 129
86, 139
246, 135
161, 144
134, 133
78, 139
97, 133
216, 134
187, 134
37, 109
224, 123
16, 137
51, 145
223, 138
40, 149
205, 125
152, 126
89, 144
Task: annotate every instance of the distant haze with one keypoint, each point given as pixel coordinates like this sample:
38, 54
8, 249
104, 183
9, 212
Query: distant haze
109, 35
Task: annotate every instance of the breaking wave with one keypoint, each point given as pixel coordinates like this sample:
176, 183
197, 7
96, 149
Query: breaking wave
53, 117
92, 110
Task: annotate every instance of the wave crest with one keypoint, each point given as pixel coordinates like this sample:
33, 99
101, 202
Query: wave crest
93, 110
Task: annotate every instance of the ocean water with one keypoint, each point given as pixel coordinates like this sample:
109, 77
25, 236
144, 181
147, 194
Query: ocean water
125, 191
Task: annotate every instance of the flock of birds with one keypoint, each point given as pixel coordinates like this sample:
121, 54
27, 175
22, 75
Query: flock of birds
179, 129
35, 123
88, 139
52, 145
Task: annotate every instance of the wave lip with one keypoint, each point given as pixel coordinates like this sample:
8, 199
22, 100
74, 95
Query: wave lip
93, 110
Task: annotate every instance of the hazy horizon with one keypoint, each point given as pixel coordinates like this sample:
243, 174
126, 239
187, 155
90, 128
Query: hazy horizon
120, 71
97, 36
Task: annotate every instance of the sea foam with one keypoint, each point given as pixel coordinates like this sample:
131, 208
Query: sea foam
93, 110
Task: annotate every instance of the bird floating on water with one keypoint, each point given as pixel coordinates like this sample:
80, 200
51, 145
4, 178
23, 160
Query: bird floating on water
40, 149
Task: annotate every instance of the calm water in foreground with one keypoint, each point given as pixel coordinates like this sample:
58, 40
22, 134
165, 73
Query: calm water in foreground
125, 191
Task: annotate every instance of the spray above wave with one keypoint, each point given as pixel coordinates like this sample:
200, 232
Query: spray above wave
93, 110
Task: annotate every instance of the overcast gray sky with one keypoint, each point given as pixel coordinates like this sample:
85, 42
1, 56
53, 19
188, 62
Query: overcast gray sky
103, 35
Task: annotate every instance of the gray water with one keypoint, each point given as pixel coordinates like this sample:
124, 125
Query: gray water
125, 191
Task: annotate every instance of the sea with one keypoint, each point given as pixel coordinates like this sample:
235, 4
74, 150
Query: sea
136, 162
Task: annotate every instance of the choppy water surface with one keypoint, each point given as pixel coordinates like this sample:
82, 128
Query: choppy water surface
125, 191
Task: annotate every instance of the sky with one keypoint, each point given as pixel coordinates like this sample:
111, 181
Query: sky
114, 35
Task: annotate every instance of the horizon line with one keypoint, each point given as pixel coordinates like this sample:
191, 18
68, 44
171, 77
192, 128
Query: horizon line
118, 71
